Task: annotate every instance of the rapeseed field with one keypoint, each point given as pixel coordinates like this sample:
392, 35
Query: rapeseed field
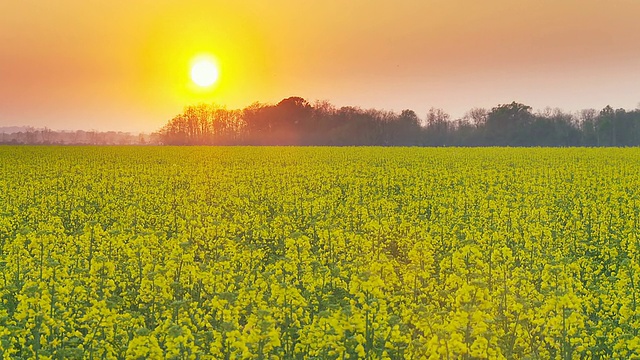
319, 253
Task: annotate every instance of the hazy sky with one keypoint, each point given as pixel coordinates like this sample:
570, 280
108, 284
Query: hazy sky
124, 64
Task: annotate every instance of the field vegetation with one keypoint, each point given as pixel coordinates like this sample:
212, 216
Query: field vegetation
319, 253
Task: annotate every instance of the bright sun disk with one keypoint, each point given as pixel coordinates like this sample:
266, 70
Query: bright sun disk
204, 73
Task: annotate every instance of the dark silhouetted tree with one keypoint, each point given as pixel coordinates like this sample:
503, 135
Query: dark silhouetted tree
508, 125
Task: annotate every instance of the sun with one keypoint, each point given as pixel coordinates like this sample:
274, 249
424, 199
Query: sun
204, 72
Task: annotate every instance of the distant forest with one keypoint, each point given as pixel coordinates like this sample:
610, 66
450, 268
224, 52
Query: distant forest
294, 121
16, 135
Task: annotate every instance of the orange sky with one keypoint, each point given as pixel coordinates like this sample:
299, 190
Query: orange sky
124, 65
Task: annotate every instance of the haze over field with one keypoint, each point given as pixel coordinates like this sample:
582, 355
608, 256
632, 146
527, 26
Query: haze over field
125, 66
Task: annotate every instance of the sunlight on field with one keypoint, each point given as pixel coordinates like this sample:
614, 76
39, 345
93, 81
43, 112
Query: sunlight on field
324, 253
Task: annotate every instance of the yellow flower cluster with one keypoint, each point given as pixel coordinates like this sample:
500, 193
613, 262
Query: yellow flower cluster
319, 253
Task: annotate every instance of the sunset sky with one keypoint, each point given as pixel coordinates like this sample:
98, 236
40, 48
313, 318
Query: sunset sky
125, 65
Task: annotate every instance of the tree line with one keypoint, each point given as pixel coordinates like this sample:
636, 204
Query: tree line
32, 136
295, 121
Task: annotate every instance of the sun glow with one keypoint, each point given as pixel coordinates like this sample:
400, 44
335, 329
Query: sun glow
204, 72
